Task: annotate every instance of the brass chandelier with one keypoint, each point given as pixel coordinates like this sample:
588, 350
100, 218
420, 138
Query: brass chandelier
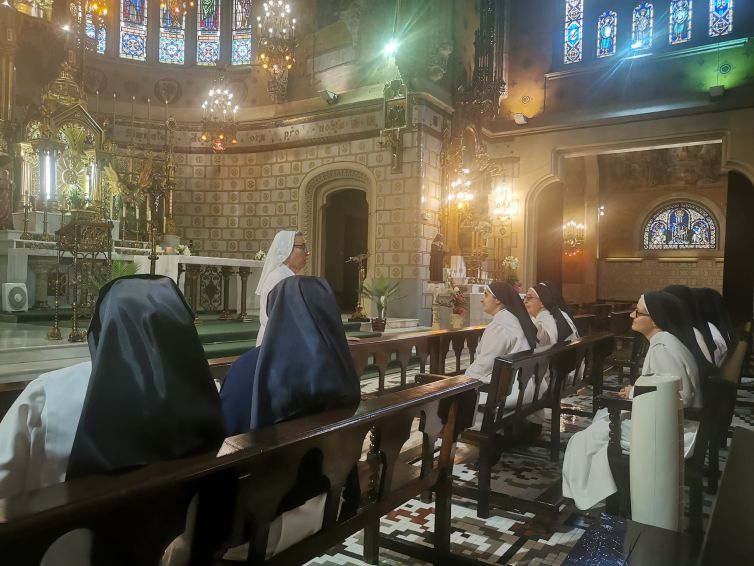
277, 44
219, 117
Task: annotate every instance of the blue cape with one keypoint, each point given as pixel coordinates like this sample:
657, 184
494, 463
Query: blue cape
304, 365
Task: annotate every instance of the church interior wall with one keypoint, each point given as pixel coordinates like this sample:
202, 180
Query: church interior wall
542, 155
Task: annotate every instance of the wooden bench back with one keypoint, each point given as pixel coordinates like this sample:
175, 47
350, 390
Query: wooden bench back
134, 516
568, 367
426, 348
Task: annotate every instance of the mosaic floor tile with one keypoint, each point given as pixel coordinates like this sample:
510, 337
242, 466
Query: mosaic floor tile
506, 537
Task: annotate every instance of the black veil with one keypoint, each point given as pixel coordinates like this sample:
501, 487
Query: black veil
507, 295
670, 314
698, 320
549, 299
713, 308
304, 364
151, 396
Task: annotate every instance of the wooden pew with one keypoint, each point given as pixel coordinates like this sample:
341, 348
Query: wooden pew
134, 516
570, 366
714, 417
381, 352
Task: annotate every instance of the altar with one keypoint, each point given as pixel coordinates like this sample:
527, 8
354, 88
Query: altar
211, 283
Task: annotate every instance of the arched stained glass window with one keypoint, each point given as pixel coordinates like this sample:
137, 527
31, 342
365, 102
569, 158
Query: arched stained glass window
642, 26
573, 31
172, 32
720, 17
241, 44
680, 226
208, 32
133, 29
607, 28
680, 21
94, 27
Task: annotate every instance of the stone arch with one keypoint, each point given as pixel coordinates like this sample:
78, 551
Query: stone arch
318, 185
531, 225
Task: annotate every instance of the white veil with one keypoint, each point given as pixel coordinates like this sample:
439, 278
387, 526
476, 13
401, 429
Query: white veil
280, 249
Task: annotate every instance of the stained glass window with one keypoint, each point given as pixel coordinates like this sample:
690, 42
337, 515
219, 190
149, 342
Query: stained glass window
607, 27
680, 226
96, 33
208, 32
241, 45
573, 33
172, 32
680, 21
642, 26
720, 17
133, 29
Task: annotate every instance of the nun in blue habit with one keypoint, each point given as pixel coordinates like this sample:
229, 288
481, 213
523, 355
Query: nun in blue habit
303, 367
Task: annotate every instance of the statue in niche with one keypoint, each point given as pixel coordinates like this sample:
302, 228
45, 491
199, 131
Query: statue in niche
437, 259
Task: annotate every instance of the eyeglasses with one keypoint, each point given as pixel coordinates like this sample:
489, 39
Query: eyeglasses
302, 246
530, 297
637, 313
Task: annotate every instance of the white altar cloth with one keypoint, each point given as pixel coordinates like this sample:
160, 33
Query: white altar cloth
168, 265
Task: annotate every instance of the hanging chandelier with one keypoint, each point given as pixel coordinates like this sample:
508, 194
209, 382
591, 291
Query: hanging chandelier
460, 194
277, 43
219, 117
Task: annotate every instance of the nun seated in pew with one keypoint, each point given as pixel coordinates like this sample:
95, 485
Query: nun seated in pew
673, 350
303, 367
510, 331
552, 327
559, 301
146, 396
702, 331
714, 311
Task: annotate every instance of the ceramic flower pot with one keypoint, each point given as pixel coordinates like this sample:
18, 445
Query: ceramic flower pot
456, 320
378, 324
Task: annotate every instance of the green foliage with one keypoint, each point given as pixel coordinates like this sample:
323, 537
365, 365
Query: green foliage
99, 278
76, 198
380, 287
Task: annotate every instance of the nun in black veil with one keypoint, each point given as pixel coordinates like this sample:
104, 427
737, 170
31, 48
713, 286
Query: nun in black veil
150, 396
146, 396
303, 367
673, 350
714, 310
701, 327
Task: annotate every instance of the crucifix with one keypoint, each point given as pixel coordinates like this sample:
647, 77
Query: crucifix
360, 260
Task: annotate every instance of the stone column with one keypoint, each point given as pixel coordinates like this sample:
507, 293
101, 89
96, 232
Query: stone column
243, 272
227, 271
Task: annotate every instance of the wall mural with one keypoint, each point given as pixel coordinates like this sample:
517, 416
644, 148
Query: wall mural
680, 226
692, 165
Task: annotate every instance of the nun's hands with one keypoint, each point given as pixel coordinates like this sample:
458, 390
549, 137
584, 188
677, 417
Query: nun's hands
625, 393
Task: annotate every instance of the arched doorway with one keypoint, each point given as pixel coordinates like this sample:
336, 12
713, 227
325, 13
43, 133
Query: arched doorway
345, 234
549, 222
738, 270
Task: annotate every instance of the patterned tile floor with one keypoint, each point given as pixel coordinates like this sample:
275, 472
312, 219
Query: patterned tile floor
506, 537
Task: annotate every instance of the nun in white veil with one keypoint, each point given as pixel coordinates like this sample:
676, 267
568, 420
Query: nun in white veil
276, 268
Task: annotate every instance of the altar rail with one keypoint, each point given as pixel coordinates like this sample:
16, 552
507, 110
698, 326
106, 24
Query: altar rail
398, 350
134, 516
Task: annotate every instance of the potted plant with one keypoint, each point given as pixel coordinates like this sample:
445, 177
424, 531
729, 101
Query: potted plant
381, 289
457, 302
510, 263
